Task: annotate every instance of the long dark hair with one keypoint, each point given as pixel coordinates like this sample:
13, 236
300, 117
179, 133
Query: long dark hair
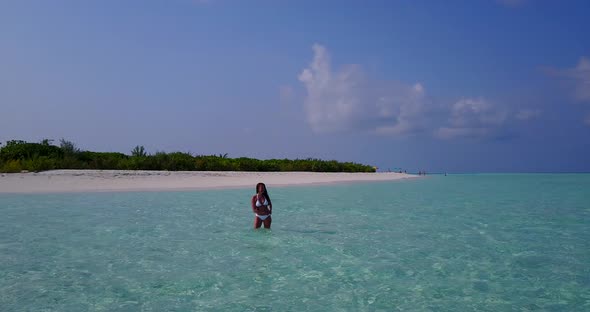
265, 193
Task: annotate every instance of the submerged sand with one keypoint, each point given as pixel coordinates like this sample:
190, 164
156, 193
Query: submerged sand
123, 180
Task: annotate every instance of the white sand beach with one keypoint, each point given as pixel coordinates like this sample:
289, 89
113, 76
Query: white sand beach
120, 180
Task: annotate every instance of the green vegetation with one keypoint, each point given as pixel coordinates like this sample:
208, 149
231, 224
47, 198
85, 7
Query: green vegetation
16, 156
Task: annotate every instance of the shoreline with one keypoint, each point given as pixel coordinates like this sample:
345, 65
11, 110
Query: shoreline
80, 181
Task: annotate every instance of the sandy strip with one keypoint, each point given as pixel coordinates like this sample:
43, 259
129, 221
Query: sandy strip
59, 181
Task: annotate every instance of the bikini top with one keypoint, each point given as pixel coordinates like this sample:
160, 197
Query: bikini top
258, 204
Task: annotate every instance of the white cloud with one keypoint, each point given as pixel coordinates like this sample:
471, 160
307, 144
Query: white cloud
581, 76
346, 99
407, 110
577, 80
528, 114
473, 118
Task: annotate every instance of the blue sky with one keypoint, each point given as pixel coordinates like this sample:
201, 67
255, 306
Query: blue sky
445, 86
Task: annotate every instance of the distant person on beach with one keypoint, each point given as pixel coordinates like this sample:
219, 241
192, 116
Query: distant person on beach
262, 207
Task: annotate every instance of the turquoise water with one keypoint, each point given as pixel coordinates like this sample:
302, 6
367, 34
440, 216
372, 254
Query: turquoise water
457, 243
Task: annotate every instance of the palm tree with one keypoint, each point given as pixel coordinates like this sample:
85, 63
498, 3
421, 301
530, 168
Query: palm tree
138, 151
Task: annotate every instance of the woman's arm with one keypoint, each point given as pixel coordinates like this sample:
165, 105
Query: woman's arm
253, 202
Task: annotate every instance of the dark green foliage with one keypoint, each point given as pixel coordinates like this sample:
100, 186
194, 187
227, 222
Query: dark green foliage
70, 155
20, 150
176, 161
138, 151
10, 166
16, 156
68, 147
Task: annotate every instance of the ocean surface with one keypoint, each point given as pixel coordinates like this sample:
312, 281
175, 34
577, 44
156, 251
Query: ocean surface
489, 242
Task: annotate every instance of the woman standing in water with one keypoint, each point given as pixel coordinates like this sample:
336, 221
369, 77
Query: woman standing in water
262, 207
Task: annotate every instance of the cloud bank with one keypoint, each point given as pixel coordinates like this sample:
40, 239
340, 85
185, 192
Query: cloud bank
472, 118
346, 99
580, 76
577, 81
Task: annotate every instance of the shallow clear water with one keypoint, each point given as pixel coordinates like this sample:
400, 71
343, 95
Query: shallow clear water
456, 243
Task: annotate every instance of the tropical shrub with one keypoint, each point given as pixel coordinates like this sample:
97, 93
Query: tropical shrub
20, 155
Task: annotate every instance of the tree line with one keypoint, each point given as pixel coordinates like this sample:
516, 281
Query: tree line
18, 155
